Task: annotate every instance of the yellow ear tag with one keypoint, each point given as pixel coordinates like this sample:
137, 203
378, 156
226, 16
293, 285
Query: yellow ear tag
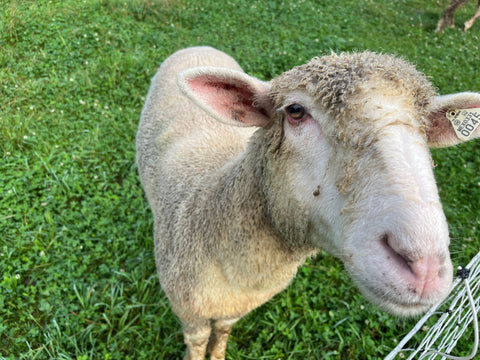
464, 121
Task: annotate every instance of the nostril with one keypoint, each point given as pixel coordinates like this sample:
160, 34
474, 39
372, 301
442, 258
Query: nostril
396, 255
408, 256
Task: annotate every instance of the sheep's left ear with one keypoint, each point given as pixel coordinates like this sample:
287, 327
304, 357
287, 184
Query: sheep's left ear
454, 119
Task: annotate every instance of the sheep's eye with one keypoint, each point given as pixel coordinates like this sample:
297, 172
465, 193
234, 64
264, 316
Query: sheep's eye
296, 111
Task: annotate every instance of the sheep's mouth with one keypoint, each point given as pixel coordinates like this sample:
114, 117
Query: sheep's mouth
395, 302
401, 282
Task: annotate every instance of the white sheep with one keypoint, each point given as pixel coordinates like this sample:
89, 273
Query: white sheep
246, 179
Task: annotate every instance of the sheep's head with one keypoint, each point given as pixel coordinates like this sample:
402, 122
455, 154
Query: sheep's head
349, 169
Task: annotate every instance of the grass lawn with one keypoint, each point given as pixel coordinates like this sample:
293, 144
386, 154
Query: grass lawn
77, 273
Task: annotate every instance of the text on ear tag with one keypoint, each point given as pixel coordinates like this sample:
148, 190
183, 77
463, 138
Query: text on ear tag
464, 121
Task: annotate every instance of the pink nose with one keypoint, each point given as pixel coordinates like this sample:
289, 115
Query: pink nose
429, 272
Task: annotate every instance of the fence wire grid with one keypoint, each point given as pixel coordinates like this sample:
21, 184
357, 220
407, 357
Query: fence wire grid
454, 316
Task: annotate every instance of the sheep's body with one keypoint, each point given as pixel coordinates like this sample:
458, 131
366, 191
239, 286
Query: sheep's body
238, 209
448, 17
207, 287
207, 160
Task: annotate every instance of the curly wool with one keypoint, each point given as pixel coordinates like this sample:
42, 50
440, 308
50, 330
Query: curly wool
334, 79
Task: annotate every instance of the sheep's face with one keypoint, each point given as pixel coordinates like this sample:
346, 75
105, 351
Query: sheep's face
366, 181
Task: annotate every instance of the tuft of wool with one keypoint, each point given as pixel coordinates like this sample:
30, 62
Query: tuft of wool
333, 79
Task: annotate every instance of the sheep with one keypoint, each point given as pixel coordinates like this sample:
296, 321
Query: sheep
247, 179
448, 16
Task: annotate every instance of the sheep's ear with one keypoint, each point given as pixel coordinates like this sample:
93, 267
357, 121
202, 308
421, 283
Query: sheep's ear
230, 96
454, 119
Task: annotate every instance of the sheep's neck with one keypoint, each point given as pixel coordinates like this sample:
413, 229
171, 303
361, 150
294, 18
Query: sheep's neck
253, 201
244, 234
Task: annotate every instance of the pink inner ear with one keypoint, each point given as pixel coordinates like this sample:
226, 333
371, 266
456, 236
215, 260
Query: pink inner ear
440, 129
234, 101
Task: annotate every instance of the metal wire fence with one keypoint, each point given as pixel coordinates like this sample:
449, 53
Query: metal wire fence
454, 316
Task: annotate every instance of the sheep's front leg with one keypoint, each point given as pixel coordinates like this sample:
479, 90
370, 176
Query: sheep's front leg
217, 345
196, 335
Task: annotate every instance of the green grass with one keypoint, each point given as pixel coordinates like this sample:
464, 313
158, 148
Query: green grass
77, 274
